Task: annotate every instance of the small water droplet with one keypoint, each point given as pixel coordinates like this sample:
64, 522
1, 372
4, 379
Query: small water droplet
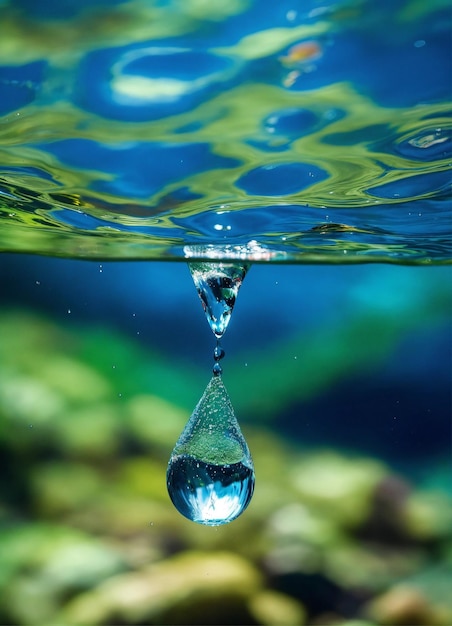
217, 369
218, 353
217, 285
210, 475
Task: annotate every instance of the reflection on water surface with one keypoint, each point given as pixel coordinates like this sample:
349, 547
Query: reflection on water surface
164, 130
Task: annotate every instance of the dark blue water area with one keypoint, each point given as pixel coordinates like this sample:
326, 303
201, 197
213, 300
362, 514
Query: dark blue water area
280, 179
284, 126
200, 73
19, 84
138, 169
401, 413
414, 186
419, 66
431, 145
397, 408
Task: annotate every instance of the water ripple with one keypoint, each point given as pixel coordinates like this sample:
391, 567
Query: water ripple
249, 130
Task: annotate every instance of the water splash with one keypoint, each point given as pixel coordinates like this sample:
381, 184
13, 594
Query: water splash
210, 476
217, 285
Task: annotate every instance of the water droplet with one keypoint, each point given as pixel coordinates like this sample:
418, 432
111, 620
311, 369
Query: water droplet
217, 285
217, 369
218, 353
210, 475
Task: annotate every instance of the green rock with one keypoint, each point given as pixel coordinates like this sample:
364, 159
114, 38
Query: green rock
404, 605
272, 607
191, 588
342, 488
42, 564
428, 515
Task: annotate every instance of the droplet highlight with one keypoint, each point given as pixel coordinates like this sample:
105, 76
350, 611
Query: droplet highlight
210, 476
217, 285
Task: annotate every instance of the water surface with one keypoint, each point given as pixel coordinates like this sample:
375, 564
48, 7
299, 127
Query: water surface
287, 132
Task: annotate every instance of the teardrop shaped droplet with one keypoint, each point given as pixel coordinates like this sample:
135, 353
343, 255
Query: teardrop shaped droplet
210, 475
217, 285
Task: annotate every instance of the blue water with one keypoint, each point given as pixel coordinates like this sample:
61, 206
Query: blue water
264, 131
209, 494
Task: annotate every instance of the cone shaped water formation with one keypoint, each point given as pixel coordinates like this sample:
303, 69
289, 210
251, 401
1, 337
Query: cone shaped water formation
217, 285
210, 475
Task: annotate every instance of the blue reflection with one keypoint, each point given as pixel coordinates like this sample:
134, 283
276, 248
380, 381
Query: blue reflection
140, 169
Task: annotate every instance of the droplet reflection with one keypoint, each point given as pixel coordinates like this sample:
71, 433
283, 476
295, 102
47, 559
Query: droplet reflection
210, 476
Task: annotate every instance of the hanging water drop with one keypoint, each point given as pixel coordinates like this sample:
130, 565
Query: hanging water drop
217, 370
217, 285
218, 354
210, 476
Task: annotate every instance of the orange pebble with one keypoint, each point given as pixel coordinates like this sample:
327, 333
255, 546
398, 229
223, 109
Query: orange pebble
301, 52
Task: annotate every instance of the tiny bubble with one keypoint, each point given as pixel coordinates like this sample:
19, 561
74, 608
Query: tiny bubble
38, 282
113, 367
31, 426
246, 364
151, 523
69, 311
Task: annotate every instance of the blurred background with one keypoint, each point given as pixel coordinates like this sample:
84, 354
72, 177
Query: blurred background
165, 129
340, 378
